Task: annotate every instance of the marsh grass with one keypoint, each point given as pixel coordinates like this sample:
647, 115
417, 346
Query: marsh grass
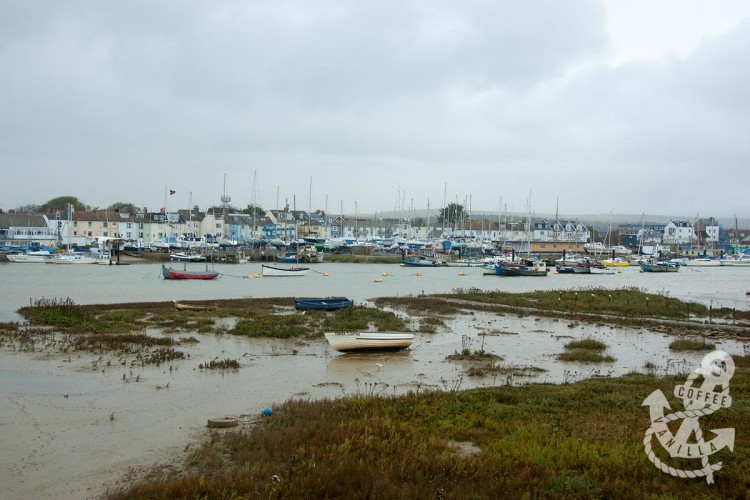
224, 364
585, 356
420, 304
625, 303
586, 343
692, 345
581, 440
586, 350
362, 318
281, 327
485, 369
267, 317
430, 325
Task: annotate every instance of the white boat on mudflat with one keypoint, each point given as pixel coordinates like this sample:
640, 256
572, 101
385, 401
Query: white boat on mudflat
369, 341
271, 271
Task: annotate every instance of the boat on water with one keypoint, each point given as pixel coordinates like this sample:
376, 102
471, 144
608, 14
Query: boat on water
416, 260
186, 257
601, 270
616, 262
568, 260
288, 258
659, 267
465, 263
738, 260
175, 274
73, 258
32, 257
703, 262
369, 341
323, 304
272, 271
522, 268
587, 265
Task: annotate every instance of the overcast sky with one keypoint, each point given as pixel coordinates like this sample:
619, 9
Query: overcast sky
598, 106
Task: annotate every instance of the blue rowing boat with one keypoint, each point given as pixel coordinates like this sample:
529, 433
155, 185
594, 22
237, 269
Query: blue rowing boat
323, 304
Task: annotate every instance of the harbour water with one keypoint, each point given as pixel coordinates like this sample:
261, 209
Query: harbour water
69, 430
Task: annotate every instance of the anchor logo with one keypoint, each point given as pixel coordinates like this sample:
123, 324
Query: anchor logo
716, 370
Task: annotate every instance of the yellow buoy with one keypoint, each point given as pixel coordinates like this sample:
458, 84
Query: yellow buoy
385, 274
462, 274
378, 280
419, 274
325, 274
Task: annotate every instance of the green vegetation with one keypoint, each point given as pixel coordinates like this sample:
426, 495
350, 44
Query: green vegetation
224, 364
280, 327
430, 325
580, 440
587, 343
586, 350
585, 356
107, 326
626, 306
692, 345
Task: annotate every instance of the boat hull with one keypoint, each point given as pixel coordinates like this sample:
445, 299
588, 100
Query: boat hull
323, 304
271, 271
659, 268
72, 259
369, 341
174, 274
29, 259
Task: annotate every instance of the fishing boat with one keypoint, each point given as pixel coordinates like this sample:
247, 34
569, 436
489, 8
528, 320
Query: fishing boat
369, 341
523, 268
174, 274
271, 271
616, 262
288, 258
323, 304
659, 267
586, 264
601, 270
416, 260
563, 269
186, 257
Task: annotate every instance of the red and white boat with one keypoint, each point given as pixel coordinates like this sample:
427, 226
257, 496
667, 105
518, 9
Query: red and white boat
174, 274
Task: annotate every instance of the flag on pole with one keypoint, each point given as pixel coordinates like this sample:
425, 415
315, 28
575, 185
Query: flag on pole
172, 191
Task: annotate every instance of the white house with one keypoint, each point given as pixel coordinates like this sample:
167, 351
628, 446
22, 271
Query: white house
677, 232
